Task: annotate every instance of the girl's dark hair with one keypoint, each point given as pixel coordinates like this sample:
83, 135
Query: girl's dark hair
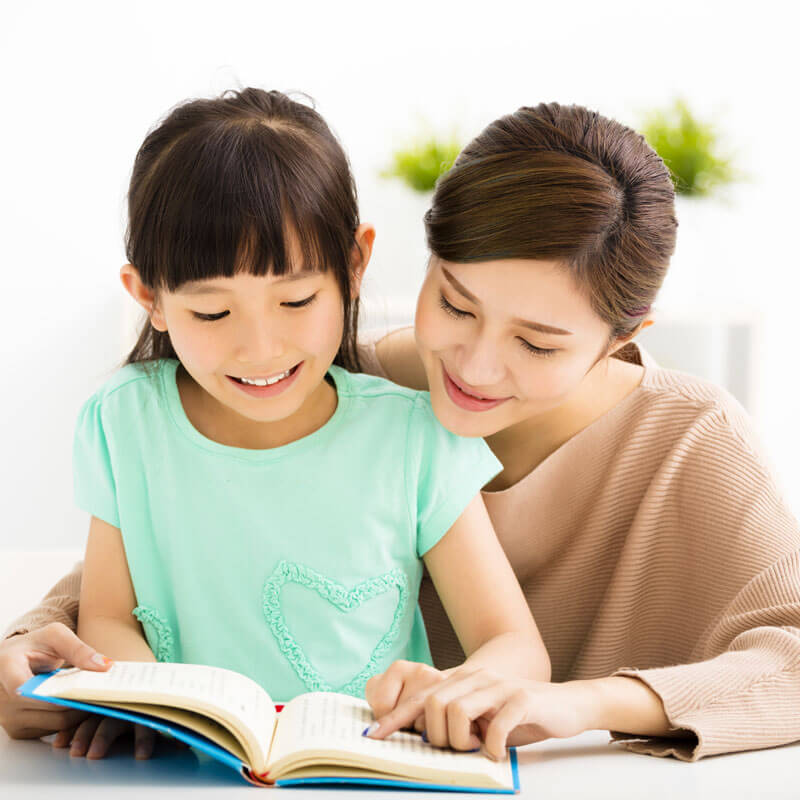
563, 183
228, 184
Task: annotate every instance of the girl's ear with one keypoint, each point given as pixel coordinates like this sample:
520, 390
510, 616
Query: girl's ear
362, 252
143, 295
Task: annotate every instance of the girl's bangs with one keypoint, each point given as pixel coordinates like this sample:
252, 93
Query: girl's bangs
238, 199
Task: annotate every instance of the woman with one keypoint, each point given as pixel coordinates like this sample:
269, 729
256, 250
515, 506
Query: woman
654, 550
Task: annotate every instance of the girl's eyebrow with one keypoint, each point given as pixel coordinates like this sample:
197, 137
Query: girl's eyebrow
201, 287
537, 326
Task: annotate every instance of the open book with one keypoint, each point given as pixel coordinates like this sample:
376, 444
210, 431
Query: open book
316, 738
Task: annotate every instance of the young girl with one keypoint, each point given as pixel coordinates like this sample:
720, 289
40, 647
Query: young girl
256, 504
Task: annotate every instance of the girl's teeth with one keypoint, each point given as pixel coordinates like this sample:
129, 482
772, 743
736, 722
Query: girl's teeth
266, 381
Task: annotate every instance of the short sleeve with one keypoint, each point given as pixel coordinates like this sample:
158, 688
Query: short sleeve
94, 486
444, 472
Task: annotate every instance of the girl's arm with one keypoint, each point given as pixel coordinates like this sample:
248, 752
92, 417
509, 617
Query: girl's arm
483, 598
490, 616
105, 621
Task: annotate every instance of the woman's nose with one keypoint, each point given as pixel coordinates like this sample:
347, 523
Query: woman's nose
480, 365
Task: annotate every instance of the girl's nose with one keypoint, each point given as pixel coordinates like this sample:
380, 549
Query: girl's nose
262, 342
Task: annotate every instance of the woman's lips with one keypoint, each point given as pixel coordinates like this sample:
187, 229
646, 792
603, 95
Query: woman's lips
464, 399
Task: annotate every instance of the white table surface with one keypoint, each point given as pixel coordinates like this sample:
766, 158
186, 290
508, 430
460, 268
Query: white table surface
586, 766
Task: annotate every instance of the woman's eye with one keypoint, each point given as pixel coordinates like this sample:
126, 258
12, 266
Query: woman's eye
451, 309
301, 303
210, 317
537, 351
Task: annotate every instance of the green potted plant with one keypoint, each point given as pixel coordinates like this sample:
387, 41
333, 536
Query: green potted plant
420, 163
690, 148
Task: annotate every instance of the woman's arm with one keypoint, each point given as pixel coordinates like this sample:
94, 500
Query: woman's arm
397, 356
60, 605
105, 619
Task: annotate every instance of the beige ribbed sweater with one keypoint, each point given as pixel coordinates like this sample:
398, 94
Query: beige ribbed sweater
654, 544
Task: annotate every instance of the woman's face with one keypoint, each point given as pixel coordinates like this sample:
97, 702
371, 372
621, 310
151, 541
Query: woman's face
503, 341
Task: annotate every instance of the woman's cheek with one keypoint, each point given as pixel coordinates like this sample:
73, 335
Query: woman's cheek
547, 385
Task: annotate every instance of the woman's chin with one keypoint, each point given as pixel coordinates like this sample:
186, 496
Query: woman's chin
470, 424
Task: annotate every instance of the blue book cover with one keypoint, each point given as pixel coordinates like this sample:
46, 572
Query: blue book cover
212, 749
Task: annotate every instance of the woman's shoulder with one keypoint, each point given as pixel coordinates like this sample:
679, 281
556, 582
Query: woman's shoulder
671, 405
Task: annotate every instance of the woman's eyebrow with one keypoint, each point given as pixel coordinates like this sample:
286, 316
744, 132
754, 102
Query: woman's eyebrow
536, 326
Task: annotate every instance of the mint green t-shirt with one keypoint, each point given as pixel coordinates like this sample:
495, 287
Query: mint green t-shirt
298, 566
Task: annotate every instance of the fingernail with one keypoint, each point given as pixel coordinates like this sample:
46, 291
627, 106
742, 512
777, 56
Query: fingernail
370, 729
425, 736
103, 661
474, 750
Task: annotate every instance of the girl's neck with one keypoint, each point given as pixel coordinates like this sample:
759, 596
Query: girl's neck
222, 424
525, 445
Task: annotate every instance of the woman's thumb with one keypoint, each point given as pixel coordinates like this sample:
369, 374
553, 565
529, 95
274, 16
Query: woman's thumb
65, 646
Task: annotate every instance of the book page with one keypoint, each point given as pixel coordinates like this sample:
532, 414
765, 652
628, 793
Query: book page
331, 725
224, 695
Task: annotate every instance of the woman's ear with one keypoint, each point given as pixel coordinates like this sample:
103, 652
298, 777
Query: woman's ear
362, 252
143, 295
623, 340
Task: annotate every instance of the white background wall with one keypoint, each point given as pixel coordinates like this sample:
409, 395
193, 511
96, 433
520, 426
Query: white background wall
82, 82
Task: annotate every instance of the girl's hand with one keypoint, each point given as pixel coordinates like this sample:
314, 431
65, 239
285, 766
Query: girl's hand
94, 736
503, 711
402, 681
40, 651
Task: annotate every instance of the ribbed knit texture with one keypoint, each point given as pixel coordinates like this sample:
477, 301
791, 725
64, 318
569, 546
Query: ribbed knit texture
652, 544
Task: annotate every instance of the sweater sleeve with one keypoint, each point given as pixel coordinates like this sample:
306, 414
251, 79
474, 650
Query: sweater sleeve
742, 691
60, 604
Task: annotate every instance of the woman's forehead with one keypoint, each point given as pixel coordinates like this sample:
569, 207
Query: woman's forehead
534, 290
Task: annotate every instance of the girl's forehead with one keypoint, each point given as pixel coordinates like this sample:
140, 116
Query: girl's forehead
243, 281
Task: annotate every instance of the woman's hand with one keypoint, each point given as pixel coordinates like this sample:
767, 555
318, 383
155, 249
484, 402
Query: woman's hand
42, 650
472, 705
94, 736
402, 681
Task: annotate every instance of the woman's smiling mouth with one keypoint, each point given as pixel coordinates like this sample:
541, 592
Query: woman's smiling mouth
462, 395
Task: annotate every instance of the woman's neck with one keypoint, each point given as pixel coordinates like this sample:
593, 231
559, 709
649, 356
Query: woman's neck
221, 424
525, 445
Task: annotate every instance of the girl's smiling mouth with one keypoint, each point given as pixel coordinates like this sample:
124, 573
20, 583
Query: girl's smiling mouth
463, 396
269, 385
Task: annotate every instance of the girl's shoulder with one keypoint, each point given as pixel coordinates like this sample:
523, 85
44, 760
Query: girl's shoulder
131, 383
376, 389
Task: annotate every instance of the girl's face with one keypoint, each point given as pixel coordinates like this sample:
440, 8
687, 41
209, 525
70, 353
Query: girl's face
259, 345
503, 341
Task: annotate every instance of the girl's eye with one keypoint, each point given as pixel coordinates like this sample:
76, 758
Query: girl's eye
534, 350
451, 309
301, 303
210, 317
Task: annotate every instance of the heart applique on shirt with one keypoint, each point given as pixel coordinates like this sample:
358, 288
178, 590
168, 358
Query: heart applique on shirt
345, 600
157, 631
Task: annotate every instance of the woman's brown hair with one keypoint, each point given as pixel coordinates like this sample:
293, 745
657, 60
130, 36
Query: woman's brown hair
563, 183
227, 184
